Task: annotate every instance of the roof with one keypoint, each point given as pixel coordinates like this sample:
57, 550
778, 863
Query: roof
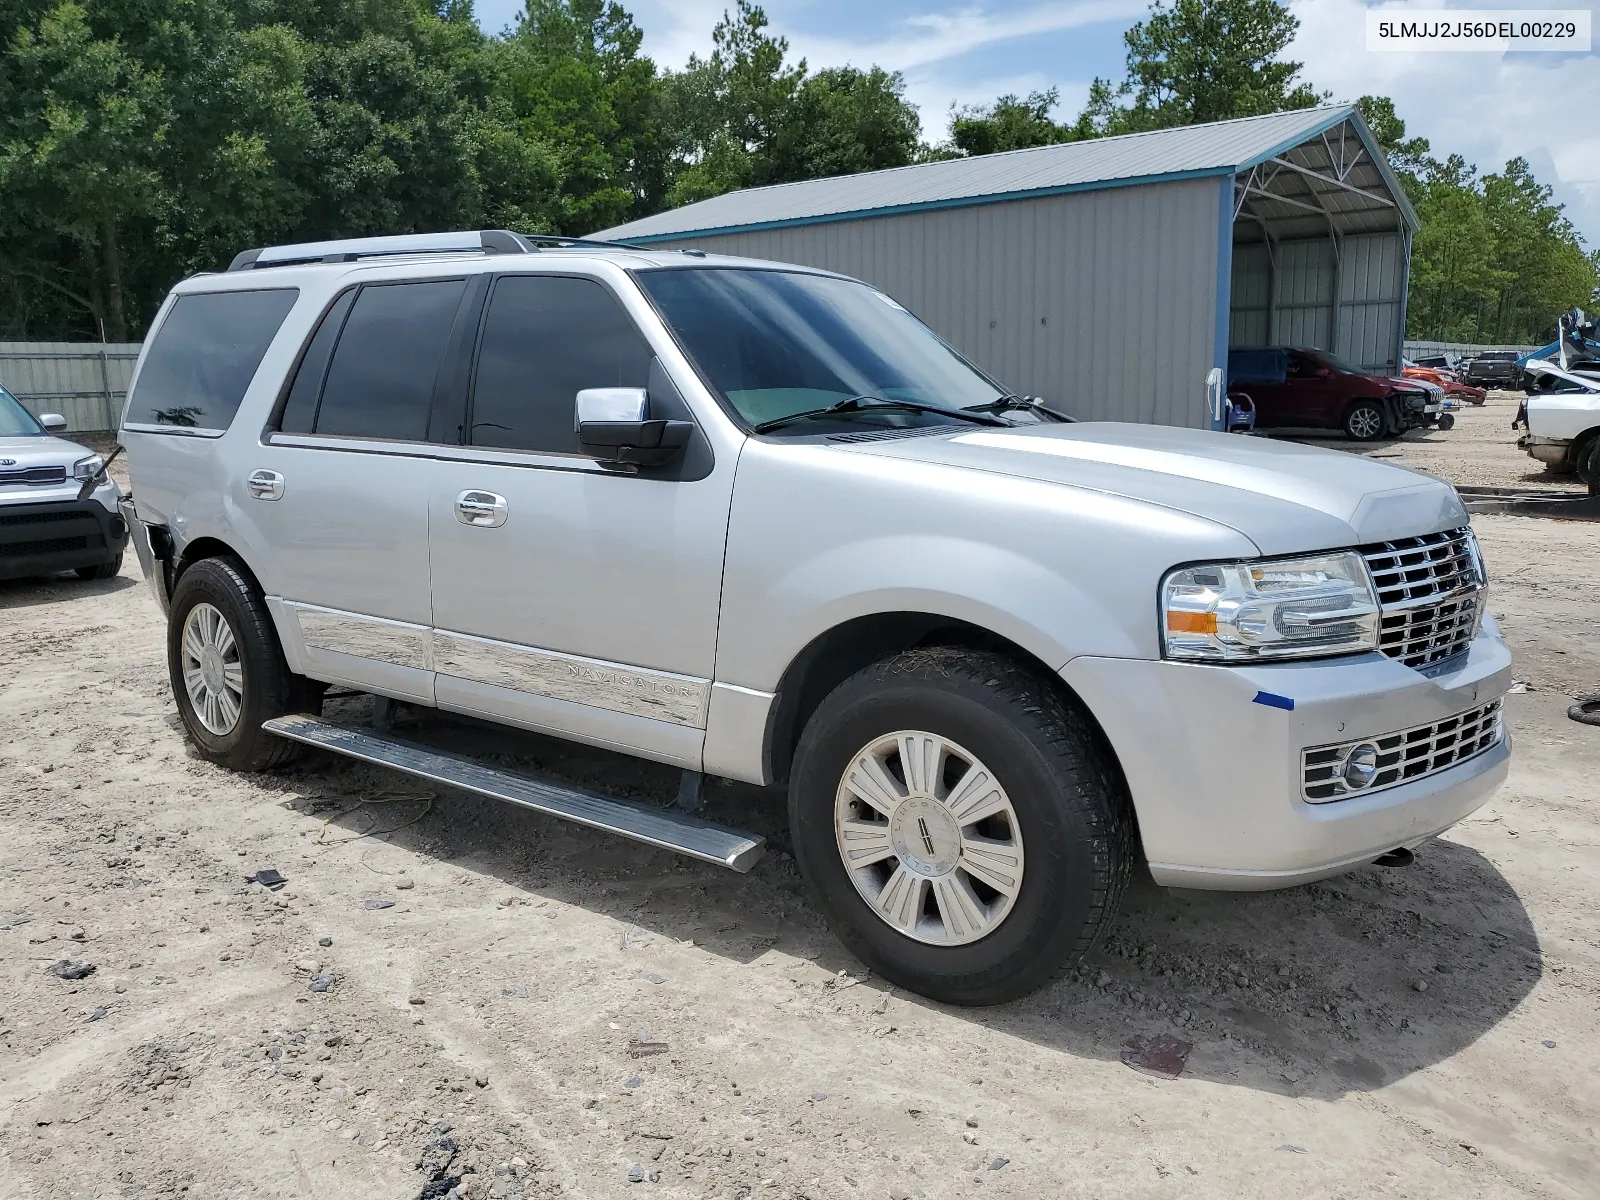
1217, 149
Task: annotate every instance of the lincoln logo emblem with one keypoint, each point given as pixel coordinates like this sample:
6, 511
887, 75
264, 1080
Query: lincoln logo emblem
927, 838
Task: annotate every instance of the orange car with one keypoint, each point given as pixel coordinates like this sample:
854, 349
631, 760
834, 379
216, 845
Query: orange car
1447, 380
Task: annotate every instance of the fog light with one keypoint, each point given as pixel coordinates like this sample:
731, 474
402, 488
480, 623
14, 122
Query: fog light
119, 529
1359, 767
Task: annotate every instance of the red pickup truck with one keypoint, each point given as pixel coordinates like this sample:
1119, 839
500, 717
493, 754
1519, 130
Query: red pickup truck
1296, 387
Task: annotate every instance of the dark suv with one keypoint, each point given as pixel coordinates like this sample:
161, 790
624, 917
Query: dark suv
1295, 387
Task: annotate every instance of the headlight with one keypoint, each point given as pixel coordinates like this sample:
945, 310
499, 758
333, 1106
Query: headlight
1283, 608
87, 468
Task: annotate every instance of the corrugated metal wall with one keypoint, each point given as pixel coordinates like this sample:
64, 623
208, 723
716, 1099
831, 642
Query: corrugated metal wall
1103, 302
1293, 305
83, 381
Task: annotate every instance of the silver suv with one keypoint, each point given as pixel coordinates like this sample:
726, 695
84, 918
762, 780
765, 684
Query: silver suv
757, 521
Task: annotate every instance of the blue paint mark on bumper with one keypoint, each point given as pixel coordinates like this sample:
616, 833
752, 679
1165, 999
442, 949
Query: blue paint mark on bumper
1274, 701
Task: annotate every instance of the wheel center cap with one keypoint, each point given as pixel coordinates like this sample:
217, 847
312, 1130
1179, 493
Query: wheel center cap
211, 668
925, 837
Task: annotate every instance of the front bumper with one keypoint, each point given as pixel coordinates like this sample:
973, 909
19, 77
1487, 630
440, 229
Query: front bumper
47, 536
151, 548
1216, 773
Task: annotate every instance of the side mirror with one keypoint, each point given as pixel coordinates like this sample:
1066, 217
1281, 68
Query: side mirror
1324, 372
53, 422
614, 425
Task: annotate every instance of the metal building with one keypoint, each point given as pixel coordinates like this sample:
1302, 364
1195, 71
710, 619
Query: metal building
1109, 276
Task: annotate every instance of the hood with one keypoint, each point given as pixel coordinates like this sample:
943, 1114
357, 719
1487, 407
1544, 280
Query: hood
20, 454
1284, 497
1409, 383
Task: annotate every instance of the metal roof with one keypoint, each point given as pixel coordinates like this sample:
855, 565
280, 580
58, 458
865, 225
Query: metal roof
1193, 151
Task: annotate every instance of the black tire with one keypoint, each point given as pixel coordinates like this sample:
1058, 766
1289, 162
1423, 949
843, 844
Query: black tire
1366, 421
106, 570
1446, 422
1588, 465
270, 689
1071, 803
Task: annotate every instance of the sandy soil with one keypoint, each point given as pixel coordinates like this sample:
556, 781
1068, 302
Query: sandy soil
551, 1012
1481, 450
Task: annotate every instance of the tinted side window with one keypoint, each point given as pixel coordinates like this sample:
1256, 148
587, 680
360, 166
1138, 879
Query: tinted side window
544, 339
300, 408
380, 383
204, 356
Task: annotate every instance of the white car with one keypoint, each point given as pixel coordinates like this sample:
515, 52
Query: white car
59, 511
1562, 418
758, 521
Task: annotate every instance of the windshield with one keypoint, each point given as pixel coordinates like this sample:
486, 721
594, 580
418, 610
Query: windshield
1334, 361
16, 421
776, 343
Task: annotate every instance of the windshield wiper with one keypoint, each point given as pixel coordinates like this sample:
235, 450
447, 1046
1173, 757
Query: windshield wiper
1012, 403
864, 403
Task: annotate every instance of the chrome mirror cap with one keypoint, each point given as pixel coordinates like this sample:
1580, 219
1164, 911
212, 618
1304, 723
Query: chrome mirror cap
611, 405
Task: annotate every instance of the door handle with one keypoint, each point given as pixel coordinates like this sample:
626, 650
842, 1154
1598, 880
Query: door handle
265, 485
482, 509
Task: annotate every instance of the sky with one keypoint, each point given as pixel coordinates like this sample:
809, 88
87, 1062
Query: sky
1486, 107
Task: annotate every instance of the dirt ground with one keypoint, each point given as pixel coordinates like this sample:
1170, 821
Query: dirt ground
544, 1011
1481, 450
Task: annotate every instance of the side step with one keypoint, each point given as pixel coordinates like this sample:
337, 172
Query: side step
671, 829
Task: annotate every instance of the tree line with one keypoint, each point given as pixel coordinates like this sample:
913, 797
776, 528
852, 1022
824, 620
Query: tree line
140, 142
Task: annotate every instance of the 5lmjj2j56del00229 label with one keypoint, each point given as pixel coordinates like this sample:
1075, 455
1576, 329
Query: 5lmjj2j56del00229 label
1565, 30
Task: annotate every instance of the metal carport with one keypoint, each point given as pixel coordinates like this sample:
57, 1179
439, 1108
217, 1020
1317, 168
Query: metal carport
1110, 275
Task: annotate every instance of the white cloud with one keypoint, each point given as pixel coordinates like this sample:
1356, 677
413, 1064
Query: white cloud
1486, 107
938, 37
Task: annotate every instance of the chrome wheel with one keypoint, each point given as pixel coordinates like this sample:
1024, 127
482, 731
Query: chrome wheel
929, 838
1366, 423
212, 674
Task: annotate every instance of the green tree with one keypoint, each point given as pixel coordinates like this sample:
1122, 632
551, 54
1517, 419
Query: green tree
745, 116
1201, 60
843, 120
1010, 123
1408, 156
578, 86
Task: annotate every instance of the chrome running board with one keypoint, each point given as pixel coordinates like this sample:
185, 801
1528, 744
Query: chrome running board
671, 829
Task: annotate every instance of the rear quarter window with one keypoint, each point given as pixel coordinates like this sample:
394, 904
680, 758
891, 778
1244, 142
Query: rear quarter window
204, 356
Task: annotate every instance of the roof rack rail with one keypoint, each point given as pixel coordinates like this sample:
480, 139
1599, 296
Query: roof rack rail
472, 241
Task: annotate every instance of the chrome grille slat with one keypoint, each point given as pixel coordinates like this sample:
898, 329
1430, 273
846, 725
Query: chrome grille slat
1430, 591
1405, 755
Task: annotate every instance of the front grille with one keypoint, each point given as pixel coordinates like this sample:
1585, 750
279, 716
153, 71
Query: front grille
1430, 590
1405, 756
34, 476
46, 546
40, 516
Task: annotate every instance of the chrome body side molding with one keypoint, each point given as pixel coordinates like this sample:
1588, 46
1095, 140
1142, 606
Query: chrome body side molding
398, 643
634, 691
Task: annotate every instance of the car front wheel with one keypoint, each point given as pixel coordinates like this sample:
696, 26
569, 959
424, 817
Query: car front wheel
228, 671
1588, 463
1365, 422
963, 828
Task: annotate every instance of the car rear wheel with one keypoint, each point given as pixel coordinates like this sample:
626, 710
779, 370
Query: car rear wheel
963, 828
1365, 422
228, 671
